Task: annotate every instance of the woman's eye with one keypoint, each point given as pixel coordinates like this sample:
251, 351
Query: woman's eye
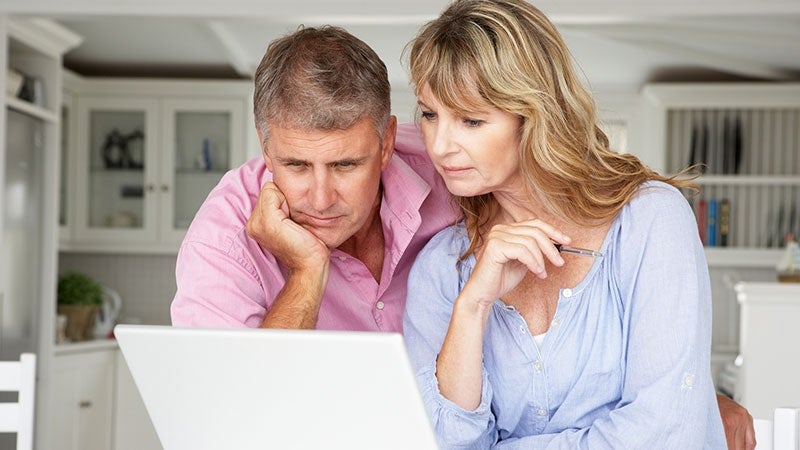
427, 115
473, 122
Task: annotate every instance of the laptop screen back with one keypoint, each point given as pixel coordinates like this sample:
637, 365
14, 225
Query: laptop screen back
276, 389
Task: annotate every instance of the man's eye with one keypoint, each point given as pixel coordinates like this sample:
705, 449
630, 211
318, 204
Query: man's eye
346, 165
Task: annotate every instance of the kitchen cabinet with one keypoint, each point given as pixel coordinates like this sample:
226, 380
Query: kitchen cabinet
82, 402
747, 135
30, 99
146, 154
133, 429
767, 377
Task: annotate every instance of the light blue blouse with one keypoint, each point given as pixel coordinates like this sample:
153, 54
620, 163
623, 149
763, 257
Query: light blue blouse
625, 363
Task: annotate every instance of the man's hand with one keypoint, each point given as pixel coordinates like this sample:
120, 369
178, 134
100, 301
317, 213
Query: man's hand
307, 258
738, 423
270, 225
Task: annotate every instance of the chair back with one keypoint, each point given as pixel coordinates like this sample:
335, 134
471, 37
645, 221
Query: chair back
17, 417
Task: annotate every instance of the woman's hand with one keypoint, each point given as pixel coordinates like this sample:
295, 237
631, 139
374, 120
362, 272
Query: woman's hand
509, 252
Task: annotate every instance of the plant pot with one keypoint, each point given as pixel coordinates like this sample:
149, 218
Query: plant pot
80, 321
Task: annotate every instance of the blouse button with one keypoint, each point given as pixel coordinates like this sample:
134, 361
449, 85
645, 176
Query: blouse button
379, 305
538, 366
541, 412
567, 292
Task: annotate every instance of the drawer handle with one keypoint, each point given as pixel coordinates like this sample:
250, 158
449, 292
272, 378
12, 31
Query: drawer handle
85, 404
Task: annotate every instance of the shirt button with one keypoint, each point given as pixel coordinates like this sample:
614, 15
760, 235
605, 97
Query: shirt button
538, 366
342, 257
567, 292
522, 329
688, 381
556, 323
542, 412
379, 305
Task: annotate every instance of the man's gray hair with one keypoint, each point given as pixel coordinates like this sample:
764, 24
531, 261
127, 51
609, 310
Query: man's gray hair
322, 79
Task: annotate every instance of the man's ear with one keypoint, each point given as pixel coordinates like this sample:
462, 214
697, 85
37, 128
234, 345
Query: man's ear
267, 159
388, 142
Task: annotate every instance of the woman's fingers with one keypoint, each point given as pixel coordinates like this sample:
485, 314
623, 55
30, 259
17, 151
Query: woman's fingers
529, 242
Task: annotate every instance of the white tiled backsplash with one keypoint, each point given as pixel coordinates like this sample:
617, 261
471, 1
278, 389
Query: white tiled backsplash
146, 283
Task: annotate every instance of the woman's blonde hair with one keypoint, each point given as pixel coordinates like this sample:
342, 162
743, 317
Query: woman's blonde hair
512, 56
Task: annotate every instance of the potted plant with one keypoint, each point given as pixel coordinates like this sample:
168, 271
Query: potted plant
79, 298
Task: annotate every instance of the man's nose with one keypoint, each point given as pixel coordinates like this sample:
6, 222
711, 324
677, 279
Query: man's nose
322, 192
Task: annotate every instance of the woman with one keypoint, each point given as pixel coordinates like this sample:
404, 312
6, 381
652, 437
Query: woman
519, 345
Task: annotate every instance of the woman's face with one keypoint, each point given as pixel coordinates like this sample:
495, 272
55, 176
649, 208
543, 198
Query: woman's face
475, 154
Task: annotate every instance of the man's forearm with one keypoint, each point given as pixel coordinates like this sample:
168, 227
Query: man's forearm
297, 304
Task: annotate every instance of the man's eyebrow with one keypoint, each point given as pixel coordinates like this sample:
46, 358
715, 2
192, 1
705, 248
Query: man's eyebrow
350, 160
290, 160
285, 160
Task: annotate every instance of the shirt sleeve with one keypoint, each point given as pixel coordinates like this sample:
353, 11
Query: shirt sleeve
433, 285
668, 398
217, 288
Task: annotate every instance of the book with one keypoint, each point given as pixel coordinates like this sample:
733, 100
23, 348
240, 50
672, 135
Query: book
711, 223
724, 220
702, 216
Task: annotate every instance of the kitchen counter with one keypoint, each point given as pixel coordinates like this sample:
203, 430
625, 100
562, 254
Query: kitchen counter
84, 346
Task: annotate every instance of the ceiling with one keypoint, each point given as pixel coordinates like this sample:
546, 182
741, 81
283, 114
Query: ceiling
615, 42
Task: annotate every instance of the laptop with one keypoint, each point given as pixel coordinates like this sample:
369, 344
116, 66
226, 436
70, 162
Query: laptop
276, 389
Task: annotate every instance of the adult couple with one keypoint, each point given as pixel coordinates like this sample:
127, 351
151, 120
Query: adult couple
515, 344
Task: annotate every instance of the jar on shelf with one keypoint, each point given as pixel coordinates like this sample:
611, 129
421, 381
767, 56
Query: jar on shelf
788, 268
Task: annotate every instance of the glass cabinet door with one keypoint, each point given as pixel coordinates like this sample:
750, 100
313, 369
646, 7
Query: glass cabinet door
117, 191
202, 136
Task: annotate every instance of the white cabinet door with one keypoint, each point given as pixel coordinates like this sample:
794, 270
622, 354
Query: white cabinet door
199, 144
133, 429
83, 385
117, 170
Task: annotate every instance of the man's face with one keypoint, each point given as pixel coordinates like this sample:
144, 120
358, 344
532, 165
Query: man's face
331, 179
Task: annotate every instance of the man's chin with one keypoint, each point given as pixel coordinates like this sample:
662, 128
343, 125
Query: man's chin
331, 240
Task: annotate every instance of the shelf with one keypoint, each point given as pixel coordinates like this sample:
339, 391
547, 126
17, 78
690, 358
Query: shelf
748, 180
32, 110
85, 346
743, 257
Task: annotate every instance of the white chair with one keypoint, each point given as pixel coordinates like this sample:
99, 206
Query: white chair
780, 433
17, 417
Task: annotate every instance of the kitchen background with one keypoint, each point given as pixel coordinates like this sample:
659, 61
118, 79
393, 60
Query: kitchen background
161, 65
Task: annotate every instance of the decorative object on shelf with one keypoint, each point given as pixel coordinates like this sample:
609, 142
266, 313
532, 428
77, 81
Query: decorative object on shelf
32, 90
117, 152
79, 298
122, 219
203, 159
14, 80
788, 268
108, 314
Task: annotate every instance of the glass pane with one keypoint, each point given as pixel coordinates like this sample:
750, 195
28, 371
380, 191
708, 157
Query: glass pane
201, 158
116, 169
20, 265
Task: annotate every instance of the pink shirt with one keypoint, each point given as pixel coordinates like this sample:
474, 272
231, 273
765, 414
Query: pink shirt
225, 279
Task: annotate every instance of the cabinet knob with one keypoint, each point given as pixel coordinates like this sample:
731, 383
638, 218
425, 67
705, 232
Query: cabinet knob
150, 187
164, 188
85, 404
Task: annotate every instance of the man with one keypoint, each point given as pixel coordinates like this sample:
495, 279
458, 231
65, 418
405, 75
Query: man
332, 247
322, 231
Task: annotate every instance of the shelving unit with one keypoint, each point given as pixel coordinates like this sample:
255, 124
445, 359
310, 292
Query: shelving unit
29, 178
712, 123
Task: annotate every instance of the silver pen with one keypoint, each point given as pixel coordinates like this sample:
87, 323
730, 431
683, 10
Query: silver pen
578, 251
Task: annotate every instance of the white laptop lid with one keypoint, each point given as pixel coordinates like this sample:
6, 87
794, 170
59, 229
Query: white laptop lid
276, 389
